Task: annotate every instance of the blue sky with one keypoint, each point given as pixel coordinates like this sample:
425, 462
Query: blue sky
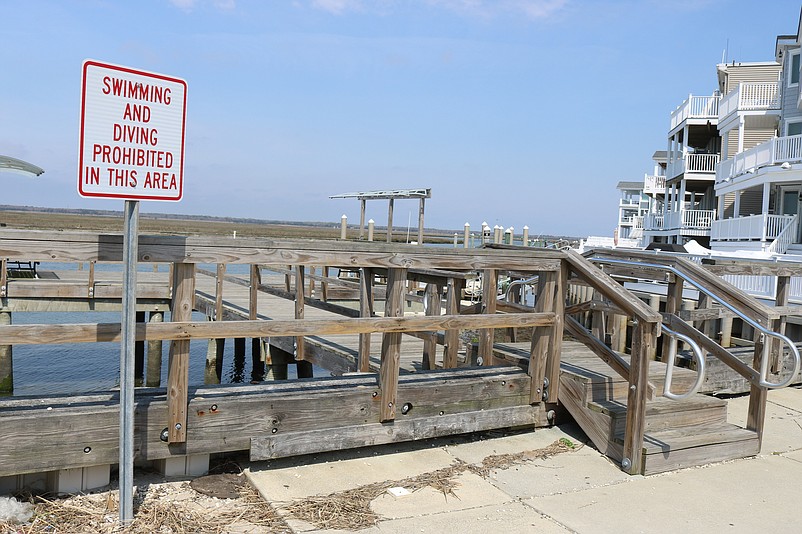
514, 112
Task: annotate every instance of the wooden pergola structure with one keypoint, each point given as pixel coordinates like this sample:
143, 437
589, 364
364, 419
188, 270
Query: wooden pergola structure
390, 195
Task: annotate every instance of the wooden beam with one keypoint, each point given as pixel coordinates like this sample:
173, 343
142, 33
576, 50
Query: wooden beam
224, 418
391, 345
556, 333
299, 308
110, 332
643, 348
366, 304
488, 306
451, 339
83, 246
178, 377
432, 300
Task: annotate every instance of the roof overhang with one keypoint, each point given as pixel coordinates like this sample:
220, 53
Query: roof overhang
18, 166
387, 194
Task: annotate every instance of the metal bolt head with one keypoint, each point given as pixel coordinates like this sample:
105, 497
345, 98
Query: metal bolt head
626, 463
178, 426
164, 435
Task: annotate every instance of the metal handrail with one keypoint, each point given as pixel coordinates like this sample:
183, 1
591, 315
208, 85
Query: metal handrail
764, 363
671, 357
518, 283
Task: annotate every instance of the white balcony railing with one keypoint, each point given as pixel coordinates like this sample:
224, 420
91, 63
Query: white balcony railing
696, 107
773, 152
652, 222
689, 219
693, 163
762, 227
655, 185
750, 97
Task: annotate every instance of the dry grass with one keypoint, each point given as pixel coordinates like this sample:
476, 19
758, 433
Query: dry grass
162, 510
154, 224
350, 509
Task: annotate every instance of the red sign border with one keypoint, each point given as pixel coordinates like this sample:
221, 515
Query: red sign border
128, 70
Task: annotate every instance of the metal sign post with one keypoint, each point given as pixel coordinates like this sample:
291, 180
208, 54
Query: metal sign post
128, 321
133, 125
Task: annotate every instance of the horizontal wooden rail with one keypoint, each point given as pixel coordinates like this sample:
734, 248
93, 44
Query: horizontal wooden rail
106, 332
85, 246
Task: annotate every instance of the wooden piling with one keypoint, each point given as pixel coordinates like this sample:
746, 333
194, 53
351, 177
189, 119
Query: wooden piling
139, 355
257, 361
279, 359
216, 348
155, 346
6, 359
366, 303
299, 309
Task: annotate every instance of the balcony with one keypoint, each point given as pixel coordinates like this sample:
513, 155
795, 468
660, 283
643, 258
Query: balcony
693, 164
696, 107
654, 185
750, 97
773, 152
773, 232
690, 220
652, 222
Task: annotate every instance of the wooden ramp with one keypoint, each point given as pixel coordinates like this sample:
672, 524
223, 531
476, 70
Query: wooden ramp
678, 434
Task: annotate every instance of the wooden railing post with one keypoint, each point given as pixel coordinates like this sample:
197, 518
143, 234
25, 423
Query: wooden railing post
489, 298
451, 339
758, 396
432, 305
178, 376
673, 305
539, 348
365, 310
644, 341
391, 344
154, 371
299, 309
324, 285
216, 348
3, 277
6, 357
257, 360
556, 335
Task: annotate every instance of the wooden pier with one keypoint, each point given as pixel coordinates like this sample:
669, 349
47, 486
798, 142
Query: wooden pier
396, 376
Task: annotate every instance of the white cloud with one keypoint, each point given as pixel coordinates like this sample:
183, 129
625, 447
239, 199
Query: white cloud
336, 6
189, 5
536, 9
533, 9
186, 5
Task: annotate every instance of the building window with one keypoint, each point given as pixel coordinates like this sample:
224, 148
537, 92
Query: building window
793, 78
793, 128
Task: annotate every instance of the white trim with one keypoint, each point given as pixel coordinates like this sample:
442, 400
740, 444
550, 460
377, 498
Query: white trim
788, 122
790, 59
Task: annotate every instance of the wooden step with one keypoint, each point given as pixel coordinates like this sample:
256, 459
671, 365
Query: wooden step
663, 413
695, 445
602, 383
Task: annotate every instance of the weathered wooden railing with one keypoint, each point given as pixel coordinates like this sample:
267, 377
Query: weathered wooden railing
766, 320
579, 272
184, 420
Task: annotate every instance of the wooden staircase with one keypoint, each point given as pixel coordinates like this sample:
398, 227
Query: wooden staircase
678, 434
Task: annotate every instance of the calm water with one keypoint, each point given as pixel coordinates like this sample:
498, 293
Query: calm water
90, 367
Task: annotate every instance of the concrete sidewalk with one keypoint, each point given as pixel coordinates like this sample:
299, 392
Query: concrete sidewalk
576, 491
